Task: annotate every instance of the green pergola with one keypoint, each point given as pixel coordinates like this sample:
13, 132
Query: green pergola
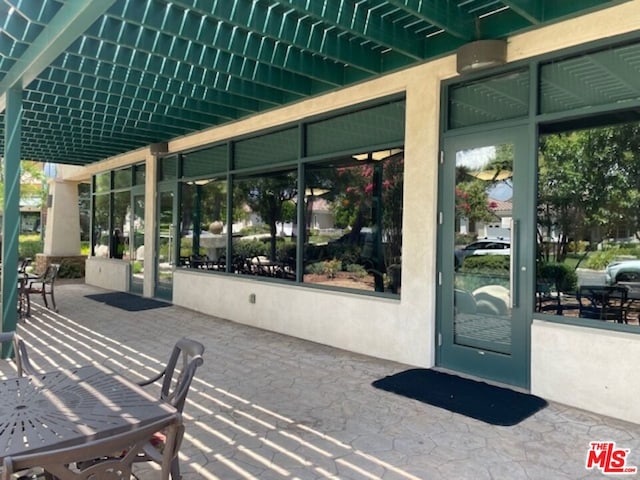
83, 80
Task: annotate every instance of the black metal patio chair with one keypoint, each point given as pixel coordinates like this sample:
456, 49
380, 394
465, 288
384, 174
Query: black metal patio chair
20, 353
44, 285
603, 302
186, 355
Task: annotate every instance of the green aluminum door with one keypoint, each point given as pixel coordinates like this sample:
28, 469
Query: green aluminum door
167, 250
483, 310
136, 240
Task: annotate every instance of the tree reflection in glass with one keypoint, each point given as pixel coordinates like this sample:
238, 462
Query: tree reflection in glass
588, 231
353, 219
264, 212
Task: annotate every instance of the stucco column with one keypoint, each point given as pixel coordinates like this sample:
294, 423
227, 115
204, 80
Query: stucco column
150, 207
62, 234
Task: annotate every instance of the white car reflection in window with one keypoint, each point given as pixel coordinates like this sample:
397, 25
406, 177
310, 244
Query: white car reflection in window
483, 247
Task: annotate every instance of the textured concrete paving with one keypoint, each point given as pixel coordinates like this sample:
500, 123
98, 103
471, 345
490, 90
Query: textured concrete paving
267, 406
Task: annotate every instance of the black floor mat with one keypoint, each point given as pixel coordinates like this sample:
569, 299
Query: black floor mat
479, 400
127, 301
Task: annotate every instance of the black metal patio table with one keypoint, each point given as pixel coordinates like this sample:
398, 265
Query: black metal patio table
65, 408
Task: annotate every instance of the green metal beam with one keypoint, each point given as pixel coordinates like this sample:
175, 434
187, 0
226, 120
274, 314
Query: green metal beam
73, 18
206, 33
11, 217
55, 146
128, 92
524, 14
75, 70
555, 10
40, 12
64, 154
84, 124
362, 22
531, 10
501, 26
61, 95
283, 27
445, 15
175, 49
96, 52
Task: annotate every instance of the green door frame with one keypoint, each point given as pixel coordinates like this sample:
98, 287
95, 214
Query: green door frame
135, 286
164, 290
513, 369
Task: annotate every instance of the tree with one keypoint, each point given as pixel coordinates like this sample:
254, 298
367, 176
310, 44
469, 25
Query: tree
472, 202
588, 184
477, 172
267, 196
31, 181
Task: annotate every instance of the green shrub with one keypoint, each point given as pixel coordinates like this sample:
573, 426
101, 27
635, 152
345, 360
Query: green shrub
71, 269
328, 267
358, 271
285, 250
600, 259
562, 275
332, 267
250, 248
345, 252
136, 267
480, 270
486, 264
316, 268
255, 229
465, 238
29, 246
186, 246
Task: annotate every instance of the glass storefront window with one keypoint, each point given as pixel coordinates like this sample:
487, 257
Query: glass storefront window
139, 174
101, 230
204, 229
350, 215
111, 216
205, 163
84, 198
353, 221
168, 168
119, 247
609, 76
379, 125
500, 97
102, 182
122, 178
588, 262
264, 213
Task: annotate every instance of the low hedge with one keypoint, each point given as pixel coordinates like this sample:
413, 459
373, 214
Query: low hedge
486, 264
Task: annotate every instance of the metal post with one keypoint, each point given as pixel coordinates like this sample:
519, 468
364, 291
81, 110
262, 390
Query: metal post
11, 219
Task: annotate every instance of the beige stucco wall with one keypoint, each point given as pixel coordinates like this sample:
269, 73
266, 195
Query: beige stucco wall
353, 322
107, 273
588, 368
404, 330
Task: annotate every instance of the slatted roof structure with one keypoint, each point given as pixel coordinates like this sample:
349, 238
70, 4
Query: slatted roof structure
103, 77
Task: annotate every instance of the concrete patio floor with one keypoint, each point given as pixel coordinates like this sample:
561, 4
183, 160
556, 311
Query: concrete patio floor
267, 406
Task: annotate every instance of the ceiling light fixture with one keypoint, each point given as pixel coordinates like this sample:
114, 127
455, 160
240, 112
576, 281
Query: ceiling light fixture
481, 54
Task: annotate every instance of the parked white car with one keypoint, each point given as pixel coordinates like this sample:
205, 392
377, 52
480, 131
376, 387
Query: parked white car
623, 271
